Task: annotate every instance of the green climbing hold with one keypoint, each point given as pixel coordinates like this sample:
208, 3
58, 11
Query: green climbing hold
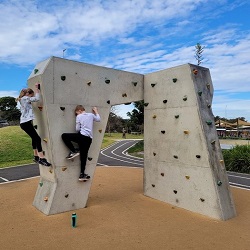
199, 93
35, 71
219, 183
41, 184
209, 122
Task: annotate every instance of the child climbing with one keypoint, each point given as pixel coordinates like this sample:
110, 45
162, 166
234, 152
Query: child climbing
26, 97
84, 135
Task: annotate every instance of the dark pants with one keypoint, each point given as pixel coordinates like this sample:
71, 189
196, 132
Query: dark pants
84, 143
36, 140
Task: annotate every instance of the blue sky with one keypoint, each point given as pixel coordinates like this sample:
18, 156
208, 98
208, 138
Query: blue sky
140, 36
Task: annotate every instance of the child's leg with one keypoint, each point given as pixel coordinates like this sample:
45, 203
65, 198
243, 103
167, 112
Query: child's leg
68, 138
84, 145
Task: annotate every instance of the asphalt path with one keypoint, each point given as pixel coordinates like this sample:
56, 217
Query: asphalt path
114, 155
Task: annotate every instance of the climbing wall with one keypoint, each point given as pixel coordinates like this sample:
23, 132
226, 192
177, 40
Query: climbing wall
183, 163
65, 84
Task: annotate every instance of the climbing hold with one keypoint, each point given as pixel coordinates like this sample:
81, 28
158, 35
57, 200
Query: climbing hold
165, 101
146, 104
174, 79
154, 116
40, 108
154, 153
199, 93
153, 185
219, 183
198, 156
89, 83
35, 126
187, 177
175, 191
209, 122
108, 102
124, 95
66, 195
185, 98
63, 78
221, 161
213, 142
209, 105
195, 71
51, 171
134, 83
107, 81
176, 200
163, 131
90, 159
162, 174
186, 132
175, 156
64, 168
176, 116
35, 71
202, 200
153, 84
100, 130
41, 184
208, 86
45, 198
62, 108
45, 140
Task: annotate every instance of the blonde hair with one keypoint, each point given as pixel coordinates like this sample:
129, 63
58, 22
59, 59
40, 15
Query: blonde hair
23, 92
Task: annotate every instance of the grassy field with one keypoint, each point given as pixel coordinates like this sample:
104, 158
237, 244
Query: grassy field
16, 149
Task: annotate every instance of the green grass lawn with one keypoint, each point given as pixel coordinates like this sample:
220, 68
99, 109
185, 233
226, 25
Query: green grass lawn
16, 149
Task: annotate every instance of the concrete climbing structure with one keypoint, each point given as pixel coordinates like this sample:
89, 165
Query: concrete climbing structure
183, 161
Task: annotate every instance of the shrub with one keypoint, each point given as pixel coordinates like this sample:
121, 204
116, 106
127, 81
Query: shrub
237, 159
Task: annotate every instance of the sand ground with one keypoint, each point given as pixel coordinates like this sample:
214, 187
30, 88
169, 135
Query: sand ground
118, 216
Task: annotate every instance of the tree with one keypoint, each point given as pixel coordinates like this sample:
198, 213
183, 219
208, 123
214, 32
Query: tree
136, 116
198, 53
8, 108
115, 123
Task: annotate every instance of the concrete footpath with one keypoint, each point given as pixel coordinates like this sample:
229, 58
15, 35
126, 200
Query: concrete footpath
118, 216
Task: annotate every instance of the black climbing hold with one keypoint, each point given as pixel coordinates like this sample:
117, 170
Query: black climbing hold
134, 83
163, 131
219, 183
41, 184
108, 102
35, 126
199, 93
175, 156
176, 200
154, 153
174, 79
176, 116
62, 108
146, 104
63, 78
90, 159
209, 122
162, 174
165, 101
124, 95
66, 195
184, 98
35, 71
107, 81
153, 84
89, 83
175, 191
198, 156
209, 105
202, 200
153, 185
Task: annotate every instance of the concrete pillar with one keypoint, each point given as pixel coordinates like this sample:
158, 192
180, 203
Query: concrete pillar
183, 163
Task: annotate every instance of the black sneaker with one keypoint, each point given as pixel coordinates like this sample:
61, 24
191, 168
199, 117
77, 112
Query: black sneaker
44, 162
36, 159
84, 177
72, 155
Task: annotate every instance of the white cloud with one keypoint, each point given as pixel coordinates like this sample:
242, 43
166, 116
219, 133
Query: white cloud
9, 93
